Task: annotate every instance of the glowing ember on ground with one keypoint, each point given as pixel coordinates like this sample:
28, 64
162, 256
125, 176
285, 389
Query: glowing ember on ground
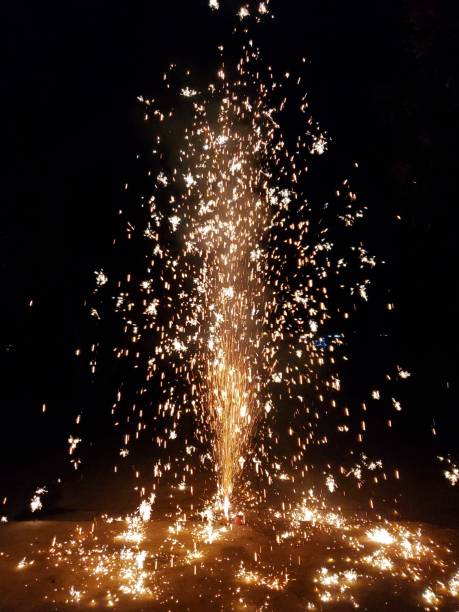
336, 558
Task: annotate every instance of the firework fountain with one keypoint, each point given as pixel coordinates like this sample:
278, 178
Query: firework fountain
227, 231
233, 327
234, 238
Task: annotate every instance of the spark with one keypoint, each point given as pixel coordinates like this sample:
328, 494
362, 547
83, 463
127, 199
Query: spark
452, 473
23, 563
187, 92
453, 585
404, 374
380, 536
262, 8
272, 583
429, 596
145, 509
331, 483
452, 476
101, 278
73, 442
135, 531
319, 145
36, 503
243, 12
175, 222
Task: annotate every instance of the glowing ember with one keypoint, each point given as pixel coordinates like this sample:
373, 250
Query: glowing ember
36, 503
380, 536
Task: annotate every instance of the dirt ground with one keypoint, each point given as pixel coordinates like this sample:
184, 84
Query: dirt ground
67, 565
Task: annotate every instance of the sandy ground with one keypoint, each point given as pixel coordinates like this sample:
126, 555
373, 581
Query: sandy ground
64, 565
292, 554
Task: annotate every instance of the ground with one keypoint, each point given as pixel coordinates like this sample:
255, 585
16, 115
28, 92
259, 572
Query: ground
302, 555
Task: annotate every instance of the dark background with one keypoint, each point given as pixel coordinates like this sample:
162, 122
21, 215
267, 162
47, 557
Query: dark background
383, 82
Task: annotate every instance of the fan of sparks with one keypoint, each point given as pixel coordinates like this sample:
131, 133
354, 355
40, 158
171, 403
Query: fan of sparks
233, 314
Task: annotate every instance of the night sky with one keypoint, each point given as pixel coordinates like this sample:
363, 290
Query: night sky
382, 79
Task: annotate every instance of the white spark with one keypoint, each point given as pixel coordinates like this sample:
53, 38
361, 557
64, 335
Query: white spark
380, 536
101, 278
188, 93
